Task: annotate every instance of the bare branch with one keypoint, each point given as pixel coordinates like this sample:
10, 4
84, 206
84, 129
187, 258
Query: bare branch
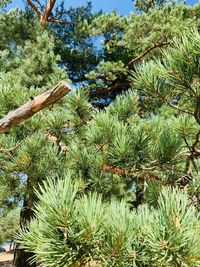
35, 8
186, 142
38, 3
62, 21
47, 11
33, 106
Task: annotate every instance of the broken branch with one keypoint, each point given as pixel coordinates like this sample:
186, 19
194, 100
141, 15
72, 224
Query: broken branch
33, 106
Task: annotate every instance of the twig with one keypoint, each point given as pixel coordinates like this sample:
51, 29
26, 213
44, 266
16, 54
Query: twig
38, 3
186, 142
179, 109
62, 21
7, 150
197, 110
196, 141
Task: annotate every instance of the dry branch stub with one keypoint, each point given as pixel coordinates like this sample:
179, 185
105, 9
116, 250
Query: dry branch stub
34, 105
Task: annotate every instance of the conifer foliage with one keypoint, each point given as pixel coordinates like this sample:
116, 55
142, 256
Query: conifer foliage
72, 229
117, 152
109, 174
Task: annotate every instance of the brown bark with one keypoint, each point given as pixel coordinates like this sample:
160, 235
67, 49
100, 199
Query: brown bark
22, 257
116, 170
44, 18
141, 56
197, 110
145, 174
112, 88
124, 84
48, 10
35, 8
33, 106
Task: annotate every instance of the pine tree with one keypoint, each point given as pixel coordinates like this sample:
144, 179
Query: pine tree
9, 225
123, 151
29, 66
115, 152
73, 229
146, 5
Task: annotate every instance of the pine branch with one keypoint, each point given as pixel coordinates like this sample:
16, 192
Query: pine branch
8, 150
116, 170
120, 84
143, 174
197, 110
179, 109
35, 8
47, 11
168, 102
44, 18
62, 21
159, 45
112, 88
38, 3
34, 105
196, 141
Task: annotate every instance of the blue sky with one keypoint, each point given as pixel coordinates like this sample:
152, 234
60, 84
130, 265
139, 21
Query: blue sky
122, 6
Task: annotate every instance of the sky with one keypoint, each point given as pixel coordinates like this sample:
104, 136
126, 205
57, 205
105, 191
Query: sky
124, 7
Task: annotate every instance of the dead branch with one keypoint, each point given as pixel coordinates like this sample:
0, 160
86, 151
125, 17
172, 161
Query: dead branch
116, 170
54, 140
144, 174
34, 105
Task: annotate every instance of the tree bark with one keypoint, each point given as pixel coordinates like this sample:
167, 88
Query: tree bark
22, 257
34, 105
44, 18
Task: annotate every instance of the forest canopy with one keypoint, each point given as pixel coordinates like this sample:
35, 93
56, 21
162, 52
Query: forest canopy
100, 144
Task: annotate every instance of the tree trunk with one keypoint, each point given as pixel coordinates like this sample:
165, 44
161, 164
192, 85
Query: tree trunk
21, 257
